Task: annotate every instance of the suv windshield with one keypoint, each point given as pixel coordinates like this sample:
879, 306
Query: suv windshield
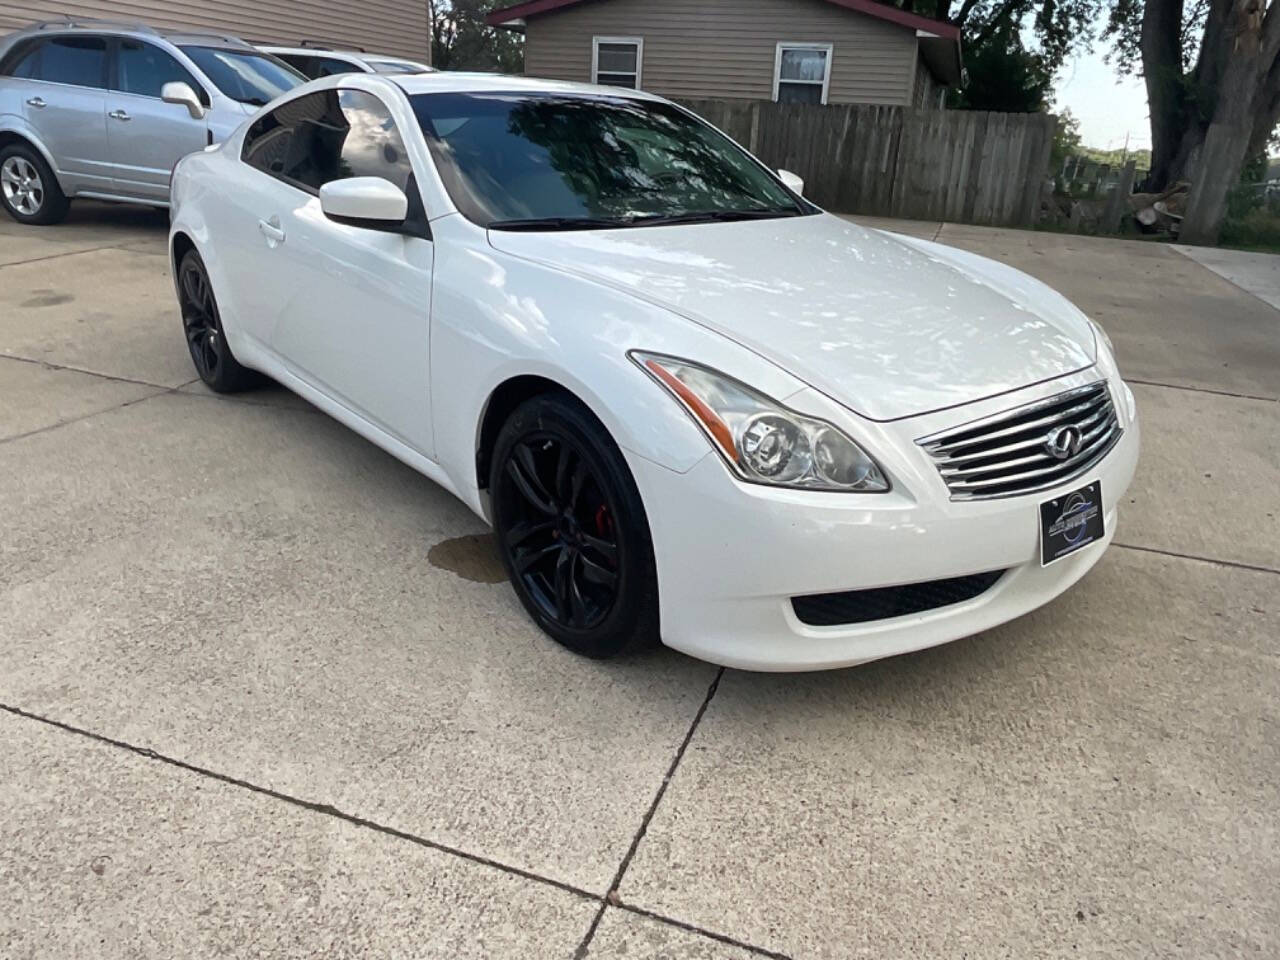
245, 75
519, 161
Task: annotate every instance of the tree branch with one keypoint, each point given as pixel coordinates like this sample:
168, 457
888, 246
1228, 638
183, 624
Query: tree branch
965, 9
1009, 7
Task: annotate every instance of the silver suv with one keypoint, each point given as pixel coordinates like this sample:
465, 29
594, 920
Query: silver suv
102, 109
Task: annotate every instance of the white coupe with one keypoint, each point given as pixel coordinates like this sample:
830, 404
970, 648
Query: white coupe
692, 405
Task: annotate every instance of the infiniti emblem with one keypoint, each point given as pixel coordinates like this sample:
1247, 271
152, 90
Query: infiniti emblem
1062, 443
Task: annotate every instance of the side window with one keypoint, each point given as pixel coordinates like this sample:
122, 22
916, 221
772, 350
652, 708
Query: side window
23, 60
331, 66
79, 61
303, 63
144, 69
326, 136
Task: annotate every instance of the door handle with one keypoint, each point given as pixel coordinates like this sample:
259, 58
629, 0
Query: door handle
119, 115
272, 231
37, 102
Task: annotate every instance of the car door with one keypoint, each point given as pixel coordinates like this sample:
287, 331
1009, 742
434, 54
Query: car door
351, 305
146, 137
65, 103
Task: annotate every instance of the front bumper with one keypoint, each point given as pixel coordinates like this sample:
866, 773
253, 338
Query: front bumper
730, 555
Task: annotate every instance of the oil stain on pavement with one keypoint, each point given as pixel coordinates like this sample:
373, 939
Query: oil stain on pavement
473, 557
47, 298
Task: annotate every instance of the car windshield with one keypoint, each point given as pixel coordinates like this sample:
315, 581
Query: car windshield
397, 66
245, 75
519, 161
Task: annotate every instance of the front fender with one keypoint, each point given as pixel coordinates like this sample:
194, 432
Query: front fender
495, 316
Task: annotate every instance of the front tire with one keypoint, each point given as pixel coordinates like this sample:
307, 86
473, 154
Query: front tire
202, 324
29, 191
572, 529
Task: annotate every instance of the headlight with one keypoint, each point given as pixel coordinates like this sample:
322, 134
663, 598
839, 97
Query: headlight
760, 439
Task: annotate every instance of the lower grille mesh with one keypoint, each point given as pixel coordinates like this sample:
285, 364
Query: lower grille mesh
863, 606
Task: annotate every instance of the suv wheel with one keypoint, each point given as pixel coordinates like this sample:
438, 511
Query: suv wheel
28, 188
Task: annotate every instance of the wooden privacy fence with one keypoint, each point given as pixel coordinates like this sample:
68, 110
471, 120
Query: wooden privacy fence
965, 166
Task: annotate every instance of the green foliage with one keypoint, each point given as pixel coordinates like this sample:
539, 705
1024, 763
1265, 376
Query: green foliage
1117, 158
1031, 36
1066, 139
1256, 229
461, 40
1004, 75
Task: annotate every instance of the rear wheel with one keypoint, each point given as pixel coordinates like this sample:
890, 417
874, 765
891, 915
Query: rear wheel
28, 188
572, 529
210, 352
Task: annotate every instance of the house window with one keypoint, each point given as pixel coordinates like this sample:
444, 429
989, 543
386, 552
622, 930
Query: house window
616, 61
801, 72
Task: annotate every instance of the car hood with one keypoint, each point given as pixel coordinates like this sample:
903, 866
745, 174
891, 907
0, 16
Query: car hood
890, 326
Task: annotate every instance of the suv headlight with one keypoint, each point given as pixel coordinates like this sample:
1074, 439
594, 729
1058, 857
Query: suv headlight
760, 439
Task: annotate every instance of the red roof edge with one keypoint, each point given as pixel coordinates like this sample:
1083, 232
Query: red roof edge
871, 8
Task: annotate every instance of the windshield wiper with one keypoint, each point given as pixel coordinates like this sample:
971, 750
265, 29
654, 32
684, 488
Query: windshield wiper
715, 216
255, 101
559, 223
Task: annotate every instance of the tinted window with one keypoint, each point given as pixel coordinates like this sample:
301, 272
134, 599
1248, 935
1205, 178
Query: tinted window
545, 157
299, 61
330, 67
314, 67
23, 60
245, 75
144, 69
328, 136
81, 61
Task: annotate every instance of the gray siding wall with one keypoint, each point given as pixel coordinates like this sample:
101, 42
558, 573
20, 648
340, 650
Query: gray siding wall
926, 93
398, 27
726, 48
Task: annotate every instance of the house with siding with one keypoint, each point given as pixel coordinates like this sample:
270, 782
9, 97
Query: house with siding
788, 51
397, 27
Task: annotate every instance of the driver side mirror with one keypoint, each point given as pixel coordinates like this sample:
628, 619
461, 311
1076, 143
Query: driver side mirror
373, 204
792, 182
180, 92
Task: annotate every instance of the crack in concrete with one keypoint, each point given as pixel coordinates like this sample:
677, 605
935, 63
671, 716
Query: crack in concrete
328, 810
324, 809
69, 253
1217, 393
612, 895
1191, 556
50, 365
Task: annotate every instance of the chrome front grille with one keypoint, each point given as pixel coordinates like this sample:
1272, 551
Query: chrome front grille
1030, 448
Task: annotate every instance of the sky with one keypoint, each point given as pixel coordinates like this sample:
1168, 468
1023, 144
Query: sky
1107, 106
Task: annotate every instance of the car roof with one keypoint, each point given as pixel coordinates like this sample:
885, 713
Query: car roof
359, 55
312, 51
448, 81
129, 28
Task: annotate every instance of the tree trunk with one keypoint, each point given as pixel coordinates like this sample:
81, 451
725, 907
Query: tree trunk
1226, 143
1162, 69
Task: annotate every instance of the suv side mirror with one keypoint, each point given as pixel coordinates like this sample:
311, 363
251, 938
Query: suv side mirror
180, 92
791, 182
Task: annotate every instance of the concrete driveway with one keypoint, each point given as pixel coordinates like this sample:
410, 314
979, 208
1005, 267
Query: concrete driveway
264, 694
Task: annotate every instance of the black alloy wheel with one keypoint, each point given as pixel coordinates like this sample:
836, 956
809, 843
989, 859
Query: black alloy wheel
572, 529
210, 352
